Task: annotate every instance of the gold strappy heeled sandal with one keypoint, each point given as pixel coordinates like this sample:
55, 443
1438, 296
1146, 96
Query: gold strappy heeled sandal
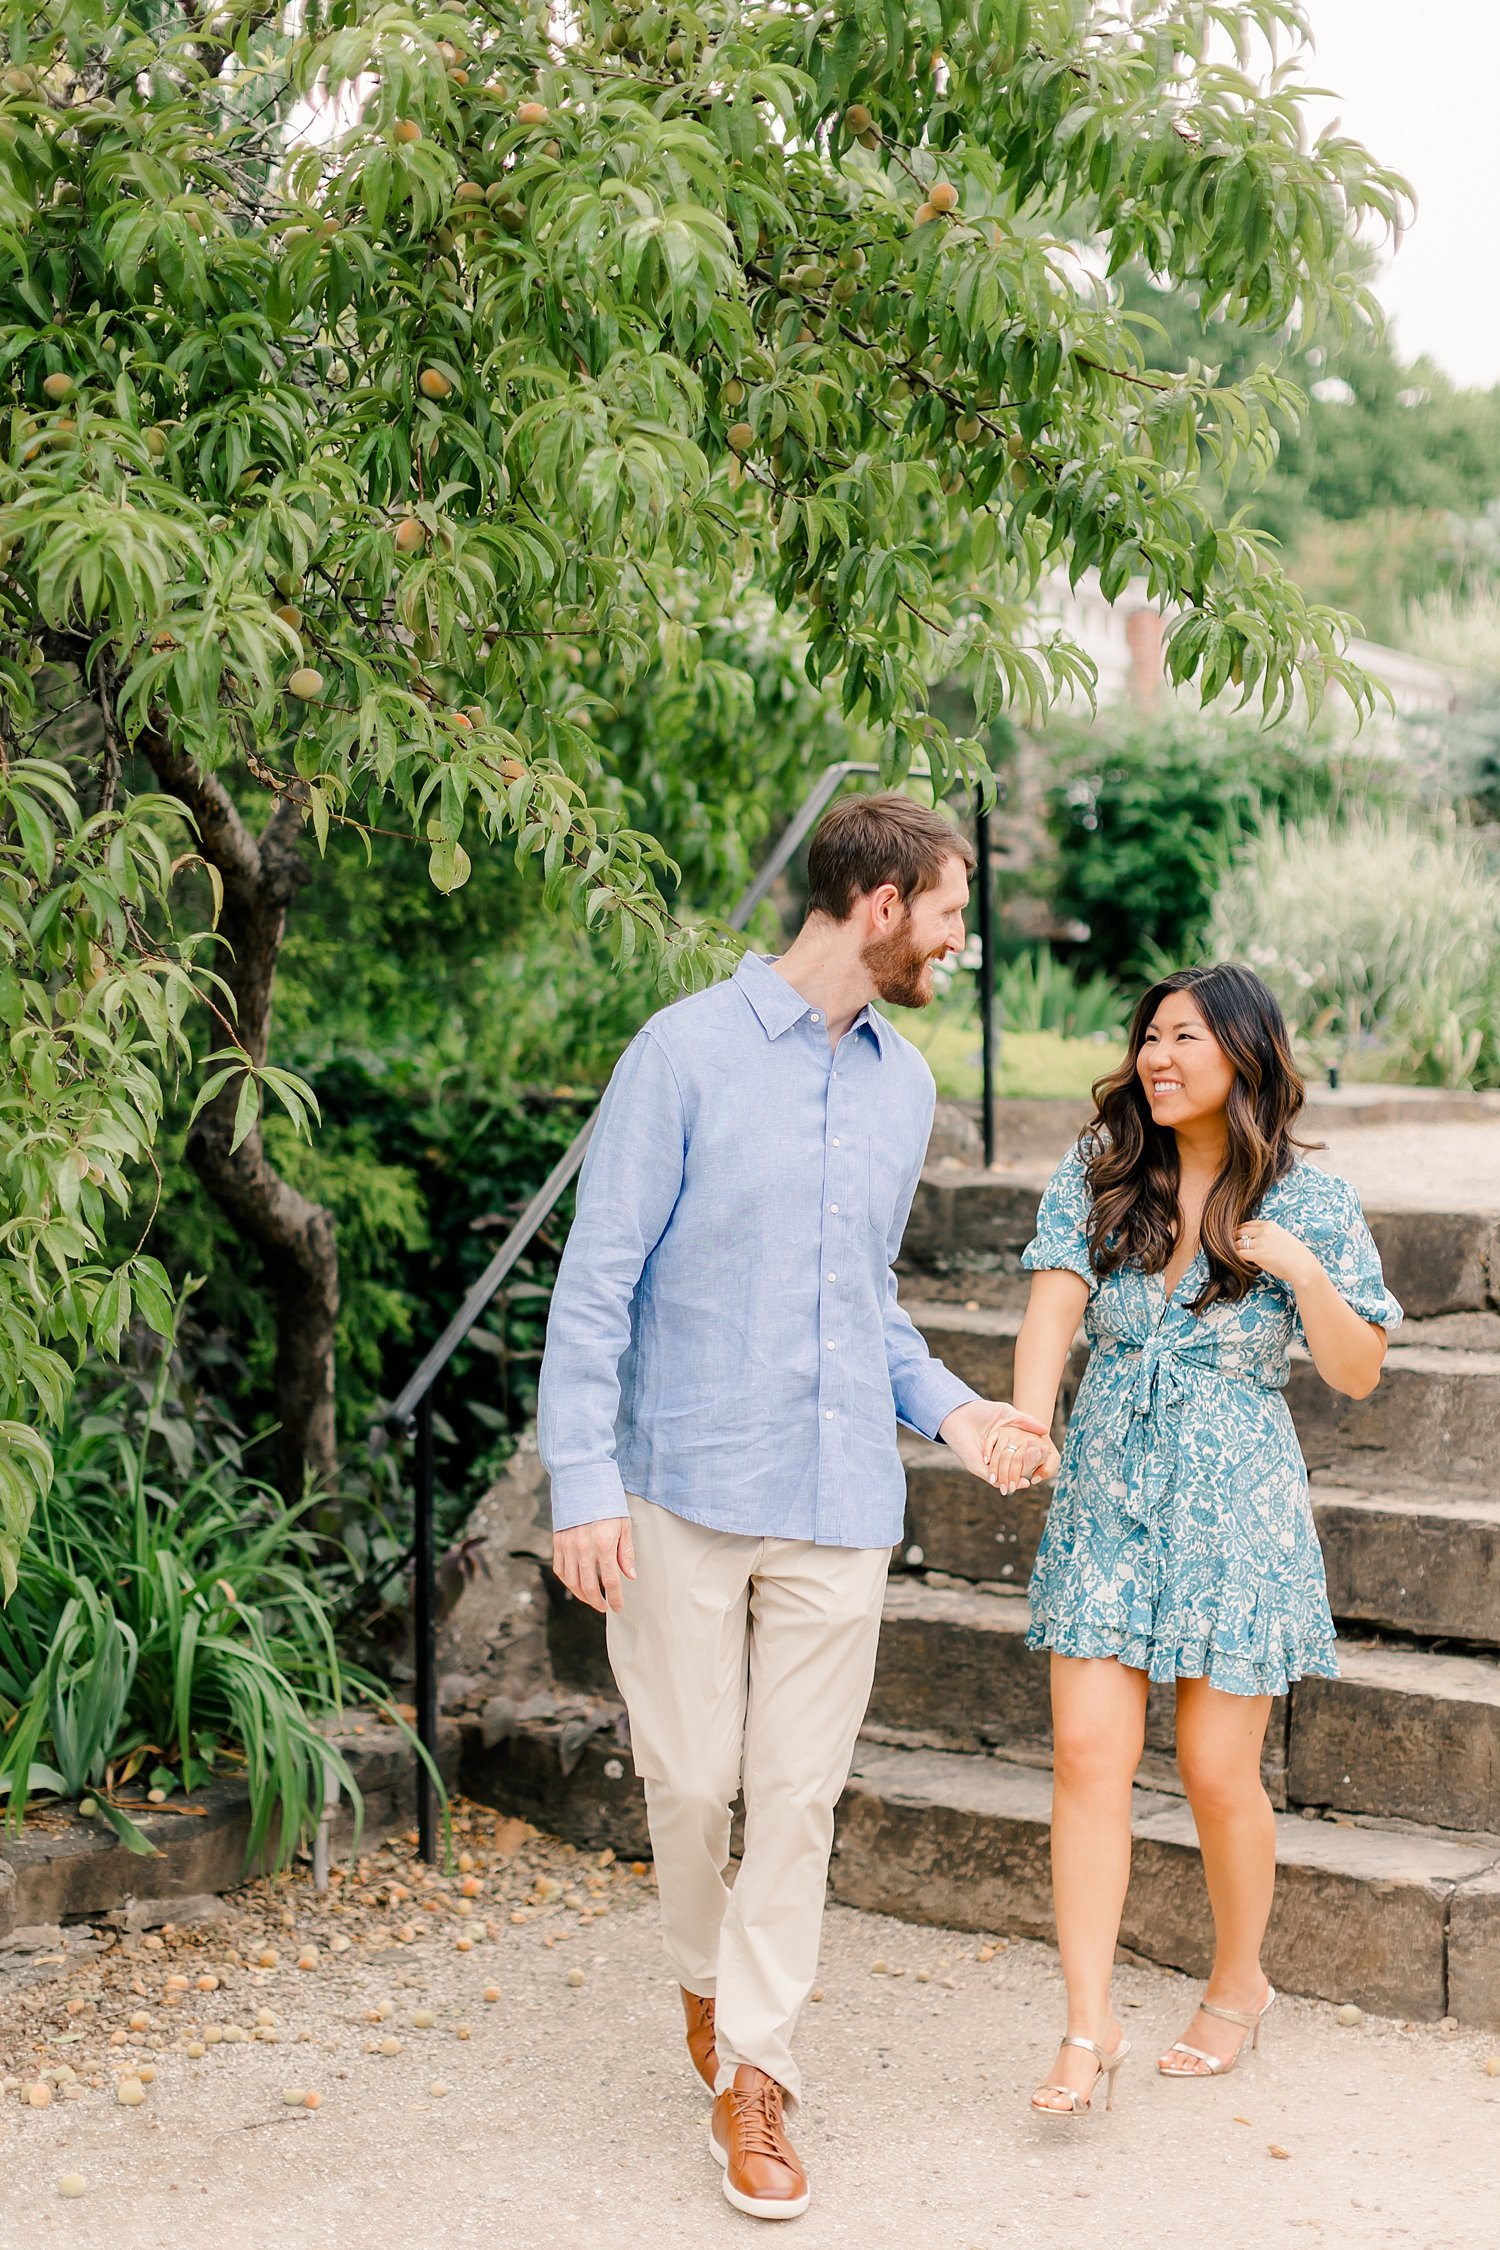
1214, 2065
1082, 2105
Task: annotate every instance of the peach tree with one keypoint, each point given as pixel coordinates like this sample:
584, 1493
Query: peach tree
376, 378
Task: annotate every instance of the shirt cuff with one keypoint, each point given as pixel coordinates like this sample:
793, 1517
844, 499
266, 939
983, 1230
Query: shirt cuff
590, 1493
928, 1395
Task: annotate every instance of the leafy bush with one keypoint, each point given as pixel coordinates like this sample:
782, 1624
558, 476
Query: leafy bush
1378, 932
1146, 813
1037, 992
168, 1626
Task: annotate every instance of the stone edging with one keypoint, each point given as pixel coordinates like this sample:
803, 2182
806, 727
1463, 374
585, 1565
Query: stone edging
78, 1870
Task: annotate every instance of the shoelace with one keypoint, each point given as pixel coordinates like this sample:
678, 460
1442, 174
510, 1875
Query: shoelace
758, 2117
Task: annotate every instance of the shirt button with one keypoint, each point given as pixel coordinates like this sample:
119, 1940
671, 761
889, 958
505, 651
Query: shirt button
833, 1206
828, 1413
815, 1017
833, 1277
833, 1347
837, 1142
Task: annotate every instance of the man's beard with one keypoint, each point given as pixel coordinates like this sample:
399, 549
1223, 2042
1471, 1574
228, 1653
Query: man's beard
899, 969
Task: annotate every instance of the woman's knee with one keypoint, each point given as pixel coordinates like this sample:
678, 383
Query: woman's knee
1220, 1784
1085, 1758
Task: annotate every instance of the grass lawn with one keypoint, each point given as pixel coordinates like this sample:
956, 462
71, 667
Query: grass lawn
1031, 1062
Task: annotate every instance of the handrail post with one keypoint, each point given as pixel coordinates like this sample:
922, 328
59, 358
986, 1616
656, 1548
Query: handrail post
986, 919
424, 1627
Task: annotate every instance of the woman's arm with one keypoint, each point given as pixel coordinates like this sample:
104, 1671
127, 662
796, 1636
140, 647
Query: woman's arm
1057, 1304
1347, 1350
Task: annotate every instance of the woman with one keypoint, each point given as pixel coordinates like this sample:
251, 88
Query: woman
1180, 1543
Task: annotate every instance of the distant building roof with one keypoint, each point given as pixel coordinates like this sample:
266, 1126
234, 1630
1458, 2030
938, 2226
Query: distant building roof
1124, 640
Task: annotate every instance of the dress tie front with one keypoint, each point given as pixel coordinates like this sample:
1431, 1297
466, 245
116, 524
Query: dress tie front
1170, 1365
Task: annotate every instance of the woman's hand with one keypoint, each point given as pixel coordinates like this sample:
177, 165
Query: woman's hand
1277, 1252
1015, 1459
1347, 1350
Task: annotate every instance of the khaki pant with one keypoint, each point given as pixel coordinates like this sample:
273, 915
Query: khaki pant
745, 1663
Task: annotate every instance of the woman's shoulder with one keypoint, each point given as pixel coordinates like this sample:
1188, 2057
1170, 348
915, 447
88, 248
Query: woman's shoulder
1071, 1177
1310, 1193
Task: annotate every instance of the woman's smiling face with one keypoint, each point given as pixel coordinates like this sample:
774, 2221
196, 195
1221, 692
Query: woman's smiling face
1184, 1072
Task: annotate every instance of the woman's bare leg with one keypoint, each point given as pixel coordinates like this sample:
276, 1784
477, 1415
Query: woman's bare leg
1219, 1739
1098, 1729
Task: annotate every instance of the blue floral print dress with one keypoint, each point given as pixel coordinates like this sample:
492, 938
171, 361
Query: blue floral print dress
1180, 1537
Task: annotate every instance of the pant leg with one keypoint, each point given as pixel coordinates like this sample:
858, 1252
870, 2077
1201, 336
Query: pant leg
814, 1624
679, 1649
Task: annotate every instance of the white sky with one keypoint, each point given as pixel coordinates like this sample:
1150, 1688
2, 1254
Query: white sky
1418, 82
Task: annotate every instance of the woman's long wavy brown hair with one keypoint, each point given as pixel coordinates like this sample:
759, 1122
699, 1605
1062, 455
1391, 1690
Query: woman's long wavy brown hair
1132, 1162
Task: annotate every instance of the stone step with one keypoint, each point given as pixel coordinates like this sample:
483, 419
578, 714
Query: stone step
1395, 1920
1425, 1563
1421, 1563
1404, 1734
1432, 1421
967, 1231
961, 1526
954, 1673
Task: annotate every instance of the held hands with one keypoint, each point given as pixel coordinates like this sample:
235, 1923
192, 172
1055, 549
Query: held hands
592, 1559
1277, 1252
1016, 1457
979, 1434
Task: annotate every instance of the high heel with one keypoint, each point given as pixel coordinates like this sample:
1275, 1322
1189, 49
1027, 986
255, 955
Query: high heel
1214, 2065
1080, 2105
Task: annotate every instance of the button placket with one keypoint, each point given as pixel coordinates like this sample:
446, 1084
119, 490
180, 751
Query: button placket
837, 1178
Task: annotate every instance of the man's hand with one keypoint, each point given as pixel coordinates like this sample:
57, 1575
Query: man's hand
592, 1559
968, 1427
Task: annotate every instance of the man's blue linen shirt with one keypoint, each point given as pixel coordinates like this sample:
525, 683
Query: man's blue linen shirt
725, 1338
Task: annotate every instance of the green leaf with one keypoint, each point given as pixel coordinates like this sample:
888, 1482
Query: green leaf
246, 1110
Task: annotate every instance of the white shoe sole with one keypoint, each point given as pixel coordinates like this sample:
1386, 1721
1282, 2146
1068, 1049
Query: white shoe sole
747, 2203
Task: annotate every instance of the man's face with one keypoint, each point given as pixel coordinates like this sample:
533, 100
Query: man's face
926, 929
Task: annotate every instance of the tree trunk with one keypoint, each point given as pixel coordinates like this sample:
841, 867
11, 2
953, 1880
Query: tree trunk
294, 1236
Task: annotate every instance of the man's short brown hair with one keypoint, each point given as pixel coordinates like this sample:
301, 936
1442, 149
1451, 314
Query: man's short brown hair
866, 841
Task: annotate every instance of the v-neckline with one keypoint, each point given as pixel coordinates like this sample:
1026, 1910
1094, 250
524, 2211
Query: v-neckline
1170, 1296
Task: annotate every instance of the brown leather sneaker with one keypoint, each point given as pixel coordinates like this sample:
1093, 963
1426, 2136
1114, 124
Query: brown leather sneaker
762, 2173
700, 2035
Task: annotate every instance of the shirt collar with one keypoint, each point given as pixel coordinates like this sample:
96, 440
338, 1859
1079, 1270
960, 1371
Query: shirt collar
778, 1005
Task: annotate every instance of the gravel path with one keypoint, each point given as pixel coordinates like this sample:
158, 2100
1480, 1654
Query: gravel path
571, 2118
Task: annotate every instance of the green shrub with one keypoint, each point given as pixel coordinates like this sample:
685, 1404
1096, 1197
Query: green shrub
1145, 814
1380, 933
1037, 992
168, 1626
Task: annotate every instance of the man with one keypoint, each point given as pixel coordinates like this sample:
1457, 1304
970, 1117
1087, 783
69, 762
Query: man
726, 1363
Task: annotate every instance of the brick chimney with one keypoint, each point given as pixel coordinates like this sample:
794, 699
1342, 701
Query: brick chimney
1143, 639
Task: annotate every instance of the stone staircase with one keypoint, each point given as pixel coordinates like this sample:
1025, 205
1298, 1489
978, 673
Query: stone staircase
1386, 1782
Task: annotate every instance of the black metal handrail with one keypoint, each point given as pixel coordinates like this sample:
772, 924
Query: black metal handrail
410, 1416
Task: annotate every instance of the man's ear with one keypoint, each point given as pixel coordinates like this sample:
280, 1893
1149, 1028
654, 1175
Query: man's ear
883, 905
